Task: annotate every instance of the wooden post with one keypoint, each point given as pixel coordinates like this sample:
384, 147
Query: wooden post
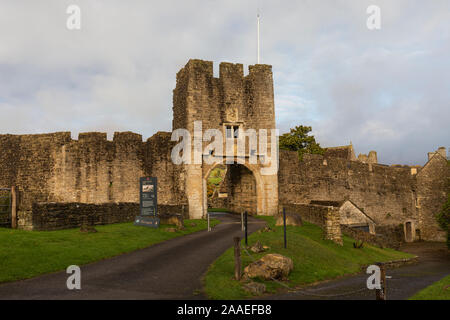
209, 228
13, 208
246, 227
381, 293
284, 226
237, 258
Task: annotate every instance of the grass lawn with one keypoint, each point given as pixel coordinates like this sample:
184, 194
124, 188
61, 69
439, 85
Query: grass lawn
437, 291
314, 260
25, 254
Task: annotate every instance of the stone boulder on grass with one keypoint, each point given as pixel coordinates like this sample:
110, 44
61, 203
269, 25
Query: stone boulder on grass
172, 218
271, 266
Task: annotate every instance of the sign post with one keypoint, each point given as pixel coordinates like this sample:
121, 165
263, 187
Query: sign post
148, 201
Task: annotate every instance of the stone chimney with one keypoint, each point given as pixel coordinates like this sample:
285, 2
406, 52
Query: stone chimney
373, 157
443, 152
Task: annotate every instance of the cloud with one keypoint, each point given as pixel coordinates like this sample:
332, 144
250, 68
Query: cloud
385, 90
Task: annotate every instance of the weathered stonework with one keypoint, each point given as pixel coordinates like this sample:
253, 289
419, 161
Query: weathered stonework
326, 217
433, 184
390, 195
54, 216
235, 100
54, 168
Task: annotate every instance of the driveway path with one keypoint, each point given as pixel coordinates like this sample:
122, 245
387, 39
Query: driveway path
168, 270
433, 265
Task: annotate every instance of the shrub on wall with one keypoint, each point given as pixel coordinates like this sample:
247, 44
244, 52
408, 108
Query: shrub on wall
298, 139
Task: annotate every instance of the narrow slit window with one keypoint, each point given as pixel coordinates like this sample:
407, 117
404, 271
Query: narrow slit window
236, 131
228, 129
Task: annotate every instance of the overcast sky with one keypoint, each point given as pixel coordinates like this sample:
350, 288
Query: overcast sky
386, 90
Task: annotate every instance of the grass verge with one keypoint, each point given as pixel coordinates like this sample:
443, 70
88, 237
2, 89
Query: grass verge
314, 260
26, 254
437, 291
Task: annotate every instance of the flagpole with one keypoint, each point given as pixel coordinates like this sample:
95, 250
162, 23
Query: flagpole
257, 17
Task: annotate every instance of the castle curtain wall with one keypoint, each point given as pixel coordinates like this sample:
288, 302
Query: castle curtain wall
384, 193
53, 168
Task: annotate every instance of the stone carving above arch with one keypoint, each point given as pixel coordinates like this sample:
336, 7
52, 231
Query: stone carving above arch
231, 115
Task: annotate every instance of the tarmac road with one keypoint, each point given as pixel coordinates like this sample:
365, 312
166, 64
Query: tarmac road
433, 265
169, 270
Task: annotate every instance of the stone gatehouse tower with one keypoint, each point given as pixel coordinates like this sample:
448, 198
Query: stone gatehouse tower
232, 103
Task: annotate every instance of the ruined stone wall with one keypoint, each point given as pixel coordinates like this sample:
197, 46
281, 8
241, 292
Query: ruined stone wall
55, 216
326, 217
390, 195
381, 239
216, 202
371, 158
386, 194
50, 168
351, 215
95, 170
27, 161
158, 163
242, 190
433, 185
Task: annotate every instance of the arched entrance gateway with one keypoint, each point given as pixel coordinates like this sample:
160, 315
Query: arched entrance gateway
237, 192
239, 109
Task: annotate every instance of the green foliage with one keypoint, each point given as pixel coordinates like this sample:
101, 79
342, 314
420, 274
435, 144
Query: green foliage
26, 254
215, 178
315, 259
437, 291
443, 218
298, 139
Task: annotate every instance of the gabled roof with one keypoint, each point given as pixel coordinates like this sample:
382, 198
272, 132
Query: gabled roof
438, 155
338, 204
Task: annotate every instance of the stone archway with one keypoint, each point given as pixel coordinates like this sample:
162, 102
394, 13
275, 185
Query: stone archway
266, 187
245, 188
238, 190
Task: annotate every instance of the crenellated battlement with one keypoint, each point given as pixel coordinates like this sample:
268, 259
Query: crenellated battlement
230, 98
92, 136
227, 70
127, 137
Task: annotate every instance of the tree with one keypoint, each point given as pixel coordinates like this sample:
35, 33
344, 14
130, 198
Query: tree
299, 140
